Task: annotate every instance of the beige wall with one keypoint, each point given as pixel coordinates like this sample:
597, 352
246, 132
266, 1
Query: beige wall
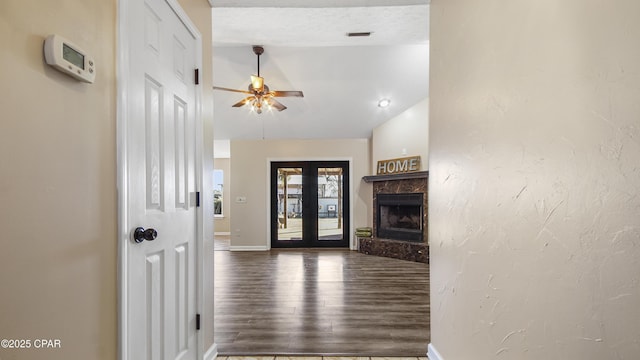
534, 179
407, 132
222, 224
58, 183
58, 262
249, 173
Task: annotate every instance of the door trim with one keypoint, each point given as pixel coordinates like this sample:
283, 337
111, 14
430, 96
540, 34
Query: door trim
352, 244
124, 27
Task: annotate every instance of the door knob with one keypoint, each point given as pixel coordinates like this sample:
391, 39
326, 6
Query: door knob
141, 234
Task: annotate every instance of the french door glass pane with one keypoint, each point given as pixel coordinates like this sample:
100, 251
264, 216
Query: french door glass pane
330, 214
290, 204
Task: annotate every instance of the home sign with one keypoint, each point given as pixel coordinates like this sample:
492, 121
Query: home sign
399, 166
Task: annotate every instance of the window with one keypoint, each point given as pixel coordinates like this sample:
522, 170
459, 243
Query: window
218, 183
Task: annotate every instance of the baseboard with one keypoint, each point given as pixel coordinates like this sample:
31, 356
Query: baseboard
432, 353
212, 353
222, 233
248, 248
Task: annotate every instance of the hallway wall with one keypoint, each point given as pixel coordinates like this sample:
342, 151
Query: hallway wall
58, 183
58, 188
534, 179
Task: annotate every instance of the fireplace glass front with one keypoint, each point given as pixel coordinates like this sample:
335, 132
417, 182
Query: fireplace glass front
400, 216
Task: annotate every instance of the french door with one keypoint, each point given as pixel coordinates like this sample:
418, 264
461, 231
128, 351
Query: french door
310, 204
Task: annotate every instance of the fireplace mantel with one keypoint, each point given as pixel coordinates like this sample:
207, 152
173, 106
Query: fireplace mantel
405, 176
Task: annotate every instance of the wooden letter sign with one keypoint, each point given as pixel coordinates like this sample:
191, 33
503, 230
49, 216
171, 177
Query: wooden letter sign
399, 166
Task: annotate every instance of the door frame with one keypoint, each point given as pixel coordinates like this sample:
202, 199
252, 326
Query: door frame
352, 244
124, 28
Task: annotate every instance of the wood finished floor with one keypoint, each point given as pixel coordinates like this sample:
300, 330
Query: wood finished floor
221, 242
320, 302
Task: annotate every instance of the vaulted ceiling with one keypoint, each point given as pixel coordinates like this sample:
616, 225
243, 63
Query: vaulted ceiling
306, 49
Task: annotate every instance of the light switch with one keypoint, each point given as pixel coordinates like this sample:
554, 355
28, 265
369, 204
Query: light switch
241, 199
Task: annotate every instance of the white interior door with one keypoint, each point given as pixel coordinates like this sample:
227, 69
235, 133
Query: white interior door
159, 114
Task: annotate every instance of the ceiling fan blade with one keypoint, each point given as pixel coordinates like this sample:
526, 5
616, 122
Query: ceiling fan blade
242, 102
276, 104
287, 93
234, 90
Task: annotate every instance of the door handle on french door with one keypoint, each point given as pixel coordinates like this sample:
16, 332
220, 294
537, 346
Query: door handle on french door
141, 234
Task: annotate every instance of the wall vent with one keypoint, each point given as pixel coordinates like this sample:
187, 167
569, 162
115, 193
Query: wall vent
359, 34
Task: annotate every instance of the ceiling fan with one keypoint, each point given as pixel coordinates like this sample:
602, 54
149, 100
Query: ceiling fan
260, 93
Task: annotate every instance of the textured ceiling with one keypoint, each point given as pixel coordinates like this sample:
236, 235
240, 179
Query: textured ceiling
307, 49
389, 25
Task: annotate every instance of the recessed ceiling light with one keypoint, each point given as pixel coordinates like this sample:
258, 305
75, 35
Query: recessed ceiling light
383, 103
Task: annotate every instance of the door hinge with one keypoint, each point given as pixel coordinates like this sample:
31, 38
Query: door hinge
197, 76
197, 321
197, 198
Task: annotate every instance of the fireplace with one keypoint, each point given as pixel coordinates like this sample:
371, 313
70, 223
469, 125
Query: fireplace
400, 216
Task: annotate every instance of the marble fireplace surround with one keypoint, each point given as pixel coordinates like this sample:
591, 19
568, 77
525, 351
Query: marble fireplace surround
415, 182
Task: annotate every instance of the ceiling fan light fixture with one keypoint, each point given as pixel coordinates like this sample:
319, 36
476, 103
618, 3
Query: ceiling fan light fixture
260, 93
256, 105
257, 82
383, 103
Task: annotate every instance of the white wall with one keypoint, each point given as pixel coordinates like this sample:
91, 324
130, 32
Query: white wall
405, 135
534, 179
250, 174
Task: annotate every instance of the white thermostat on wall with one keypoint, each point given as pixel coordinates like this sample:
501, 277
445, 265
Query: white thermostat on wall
68, 58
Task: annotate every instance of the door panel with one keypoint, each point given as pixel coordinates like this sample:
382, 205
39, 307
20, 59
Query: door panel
309, 204
289, 204
153, 110
155, 304
161, 183
330, 190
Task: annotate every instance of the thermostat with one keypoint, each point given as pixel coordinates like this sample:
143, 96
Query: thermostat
68, 58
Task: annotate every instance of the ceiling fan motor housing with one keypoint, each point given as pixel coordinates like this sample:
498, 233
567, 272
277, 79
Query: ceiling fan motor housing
258, 49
